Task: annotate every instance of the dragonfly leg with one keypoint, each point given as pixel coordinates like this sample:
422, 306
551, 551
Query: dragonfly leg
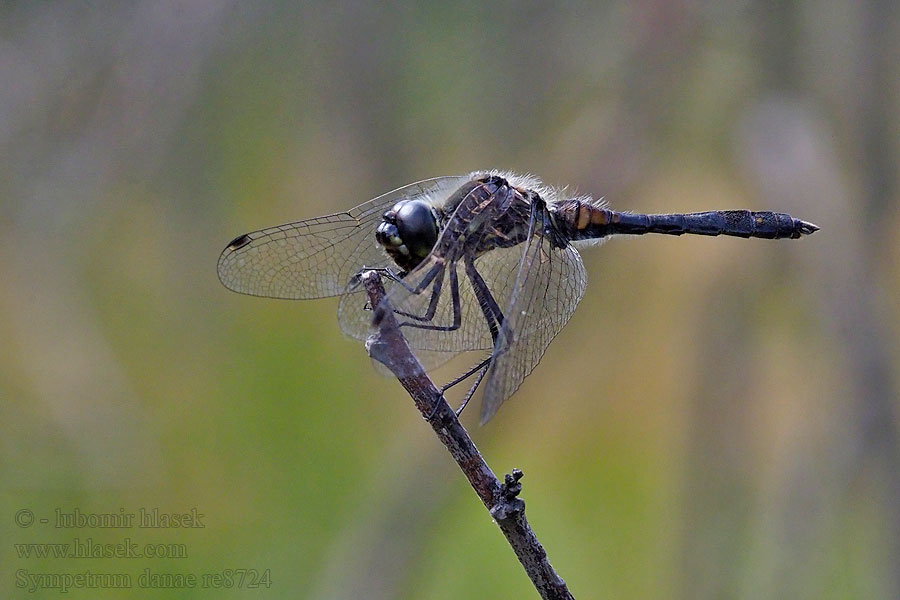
466, 375
432, 305
434, 278
385, 272
486, 302
398, 278
494, 318
472, 389
483, 367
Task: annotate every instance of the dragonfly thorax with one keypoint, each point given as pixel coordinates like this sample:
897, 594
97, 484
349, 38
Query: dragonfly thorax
408, 232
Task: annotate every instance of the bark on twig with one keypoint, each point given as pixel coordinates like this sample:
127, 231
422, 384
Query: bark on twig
389, 347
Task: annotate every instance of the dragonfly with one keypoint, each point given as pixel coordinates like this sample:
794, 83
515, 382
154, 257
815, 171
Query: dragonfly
483, 263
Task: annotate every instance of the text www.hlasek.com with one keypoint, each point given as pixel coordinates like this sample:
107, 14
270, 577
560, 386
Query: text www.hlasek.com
88, 548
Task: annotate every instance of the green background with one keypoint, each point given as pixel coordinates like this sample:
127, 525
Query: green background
718, 420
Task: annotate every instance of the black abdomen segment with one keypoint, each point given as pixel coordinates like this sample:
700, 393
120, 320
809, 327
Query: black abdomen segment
586, 221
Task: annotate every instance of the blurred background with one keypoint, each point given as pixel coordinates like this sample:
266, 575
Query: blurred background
718, 420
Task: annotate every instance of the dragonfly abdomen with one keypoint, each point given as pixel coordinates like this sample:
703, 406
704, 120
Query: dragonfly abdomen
583, 220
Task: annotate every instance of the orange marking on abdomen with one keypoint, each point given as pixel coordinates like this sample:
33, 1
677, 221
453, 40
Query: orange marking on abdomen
598, 217
583, 217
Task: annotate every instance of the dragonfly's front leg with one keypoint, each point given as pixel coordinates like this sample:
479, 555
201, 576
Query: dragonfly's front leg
435, 275
356, 281
420, 321
433, 278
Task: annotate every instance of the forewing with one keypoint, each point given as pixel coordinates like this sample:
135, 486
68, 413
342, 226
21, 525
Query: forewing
316, 257
548, 285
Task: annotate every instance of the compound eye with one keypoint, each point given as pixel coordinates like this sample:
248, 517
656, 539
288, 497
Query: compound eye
418, 226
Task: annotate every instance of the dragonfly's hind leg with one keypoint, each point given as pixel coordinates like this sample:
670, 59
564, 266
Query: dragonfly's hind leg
482, 367
467, 397
466, 375
481, 373
494, 318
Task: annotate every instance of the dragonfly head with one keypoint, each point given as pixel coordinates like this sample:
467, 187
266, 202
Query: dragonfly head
408, 232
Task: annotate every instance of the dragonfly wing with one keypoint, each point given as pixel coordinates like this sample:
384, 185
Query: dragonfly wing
315, 258
549, 282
